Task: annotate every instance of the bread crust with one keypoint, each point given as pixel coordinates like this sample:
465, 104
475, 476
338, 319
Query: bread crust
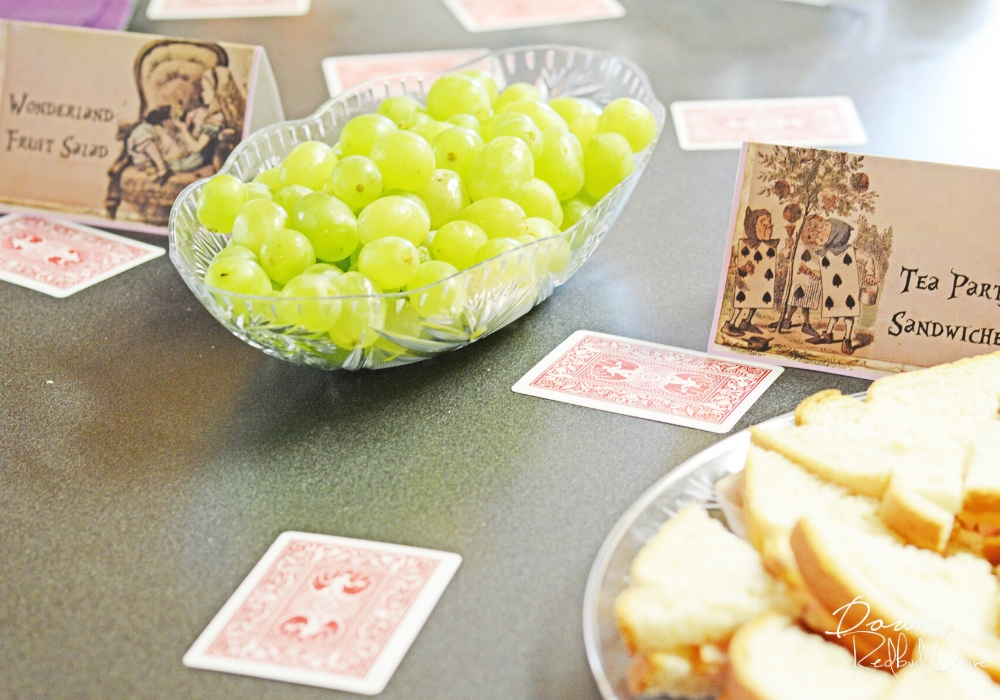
916, 519
821, 578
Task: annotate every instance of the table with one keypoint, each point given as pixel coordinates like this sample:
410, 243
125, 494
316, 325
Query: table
148, 458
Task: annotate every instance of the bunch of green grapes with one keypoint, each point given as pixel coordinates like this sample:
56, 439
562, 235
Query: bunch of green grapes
410, 196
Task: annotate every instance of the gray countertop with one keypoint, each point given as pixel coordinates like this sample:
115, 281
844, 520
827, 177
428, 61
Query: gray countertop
148, 458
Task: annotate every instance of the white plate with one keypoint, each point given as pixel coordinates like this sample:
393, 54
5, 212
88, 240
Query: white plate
693, 481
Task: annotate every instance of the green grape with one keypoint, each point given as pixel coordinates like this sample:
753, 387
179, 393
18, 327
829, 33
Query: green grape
394, 216
561, 163
539, 228
630, 118
425, 254
495, 247
255, 190
400, 321
456, 148
219, 202
584, 127
502, 169
309, 164
239, 276
457, 243
445, 197
356, 182
361, 316
515, 92
235, 251
569, 108
466, 121
458, 94
521, 126
484, 79
306, 303
288, 197
331, 271
429, 130
256, 220
558, 256
434, 297
271, 178
398, 107
607, 160
389, 262
498, 217
405, 160
486, 127
573, 210
539, 199
411, 120
543, 115
337, 150
284, 254
525, 239
412, 196
328, 223
353, 267
361, 133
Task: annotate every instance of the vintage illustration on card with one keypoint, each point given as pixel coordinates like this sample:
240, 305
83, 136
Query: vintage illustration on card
112, 126
850, 261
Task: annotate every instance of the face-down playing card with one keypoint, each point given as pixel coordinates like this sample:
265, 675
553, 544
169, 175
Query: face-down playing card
326, 611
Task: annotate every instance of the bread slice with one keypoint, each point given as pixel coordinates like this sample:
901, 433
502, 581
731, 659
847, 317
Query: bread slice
918, 519
829, 407
958, 682
868, 582
777, 492
771, 658
692, 585
955, 397
691, 672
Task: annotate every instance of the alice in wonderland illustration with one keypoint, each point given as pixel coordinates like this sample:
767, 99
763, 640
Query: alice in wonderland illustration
816, 289
190, 119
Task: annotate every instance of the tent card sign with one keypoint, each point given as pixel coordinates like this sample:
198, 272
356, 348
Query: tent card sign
858, 264
108, 127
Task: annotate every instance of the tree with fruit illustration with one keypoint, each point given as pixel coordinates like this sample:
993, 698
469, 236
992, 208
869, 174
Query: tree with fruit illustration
812, 182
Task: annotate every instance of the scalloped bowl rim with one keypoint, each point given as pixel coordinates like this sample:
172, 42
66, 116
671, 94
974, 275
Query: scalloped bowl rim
659, 114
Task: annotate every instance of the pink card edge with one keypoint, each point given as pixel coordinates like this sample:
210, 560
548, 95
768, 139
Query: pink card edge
251, 90
156, 5
333, 62
614, 7
84, 219
740, 177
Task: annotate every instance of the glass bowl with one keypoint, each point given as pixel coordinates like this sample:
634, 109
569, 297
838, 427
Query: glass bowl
482, 298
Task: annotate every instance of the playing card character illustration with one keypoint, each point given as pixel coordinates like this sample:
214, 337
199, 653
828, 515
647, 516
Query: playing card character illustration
815, 294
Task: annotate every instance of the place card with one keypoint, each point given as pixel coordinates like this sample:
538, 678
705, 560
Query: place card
858, 264
107, 128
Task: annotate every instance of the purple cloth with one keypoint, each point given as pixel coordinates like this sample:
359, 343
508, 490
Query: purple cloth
98, 14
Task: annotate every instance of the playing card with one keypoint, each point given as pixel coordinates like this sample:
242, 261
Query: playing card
492, 15
60, 258
343, 72
801, 121
327, 611
649, 381
211, 9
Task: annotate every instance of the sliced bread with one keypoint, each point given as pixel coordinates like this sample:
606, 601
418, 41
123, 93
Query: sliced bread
829, 407
893, 602
958, 682
692, 585
771, 658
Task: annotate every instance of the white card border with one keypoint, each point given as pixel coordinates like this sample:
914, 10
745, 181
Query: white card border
152, 252
614, 8
388, 659
156, 11
335, 87
523, 386
845, 104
